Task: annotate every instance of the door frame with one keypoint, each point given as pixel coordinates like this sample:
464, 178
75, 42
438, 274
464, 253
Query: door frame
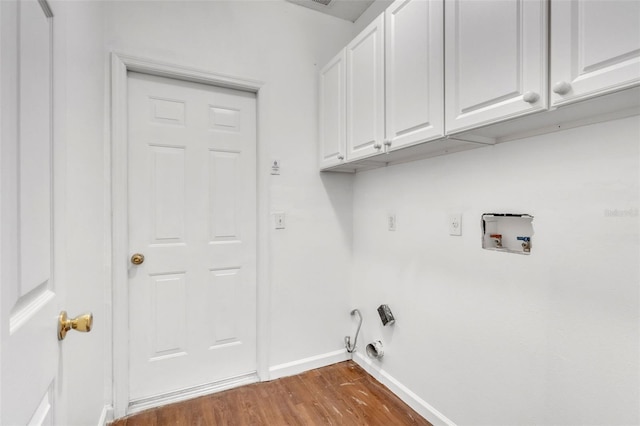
116, 154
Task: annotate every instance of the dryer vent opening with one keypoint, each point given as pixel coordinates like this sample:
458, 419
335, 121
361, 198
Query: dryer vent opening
375, 350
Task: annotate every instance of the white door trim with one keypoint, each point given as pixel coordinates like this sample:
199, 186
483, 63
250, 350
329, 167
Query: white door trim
116, 157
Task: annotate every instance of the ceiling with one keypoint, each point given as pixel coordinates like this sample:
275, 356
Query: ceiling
349, 10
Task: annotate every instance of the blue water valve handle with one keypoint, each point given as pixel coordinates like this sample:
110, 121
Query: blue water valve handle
525, 239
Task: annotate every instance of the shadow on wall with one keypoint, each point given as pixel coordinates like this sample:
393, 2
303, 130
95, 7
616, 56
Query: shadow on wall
339, 189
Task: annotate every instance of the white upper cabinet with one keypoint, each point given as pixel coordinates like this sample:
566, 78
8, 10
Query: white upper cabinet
332, 97
462, 73
365, 91
495, 60
595, 47
414, 72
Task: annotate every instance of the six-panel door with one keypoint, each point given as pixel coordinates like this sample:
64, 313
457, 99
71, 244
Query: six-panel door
192, 214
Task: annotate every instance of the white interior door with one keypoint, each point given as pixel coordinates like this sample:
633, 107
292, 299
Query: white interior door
29, 296
192, 214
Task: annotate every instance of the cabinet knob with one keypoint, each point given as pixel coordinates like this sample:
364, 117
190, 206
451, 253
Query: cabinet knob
530, 97
561, 88
387, 142
340, 157
377, 145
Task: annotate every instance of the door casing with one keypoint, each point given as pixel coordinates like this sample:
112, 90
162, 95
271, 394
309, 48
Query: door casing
116, 157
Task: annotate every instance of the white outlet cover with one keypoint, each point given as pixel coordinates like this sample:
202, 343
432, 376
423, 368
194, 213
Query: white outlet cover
455, 224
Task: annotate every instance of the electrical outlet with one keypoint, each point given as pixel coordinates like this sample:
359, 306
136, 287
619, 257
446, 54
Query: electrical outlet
391, 221
279, 220
455, 224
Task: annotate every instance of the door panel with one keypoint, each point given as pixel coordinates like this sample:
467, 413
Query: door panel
35, 146
495, 53
223, 196
192, 202
414, 72
332, 111
222, 292
365, 91
43, 416
595, 47
30, 301
168, 326
168, 183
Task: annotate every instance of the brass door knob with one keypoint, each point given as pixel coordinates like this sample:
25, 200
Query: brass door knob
137, 259
82, 323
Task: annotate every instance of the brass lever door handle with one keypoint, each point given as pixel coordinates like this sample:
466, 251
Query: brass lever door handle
82, 323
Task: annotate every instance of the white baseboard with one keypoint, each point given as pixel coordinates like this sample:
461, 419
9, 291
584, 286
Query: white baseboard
302, 365
138, 405
402, 392
106, 416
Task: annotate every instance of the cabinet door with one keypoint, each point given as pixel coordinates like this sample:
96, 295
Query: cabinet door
332, 131
414, 72
595, 47
365, 91
495, 60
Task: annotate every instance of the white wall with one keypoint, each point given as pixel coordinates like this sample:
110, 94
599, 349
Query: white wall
282, 45
502, 339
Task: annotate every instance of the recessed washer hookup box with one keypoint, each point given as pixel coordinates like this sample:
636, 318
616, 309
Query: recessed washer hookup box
507, 232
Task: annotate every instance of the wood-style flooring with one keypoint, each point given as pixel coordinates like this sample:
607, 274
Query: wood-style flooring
340, 394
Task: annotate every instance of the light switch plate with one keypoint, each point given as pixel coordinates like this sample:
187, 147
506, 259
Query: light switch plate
455, 224
279, 220
391, 221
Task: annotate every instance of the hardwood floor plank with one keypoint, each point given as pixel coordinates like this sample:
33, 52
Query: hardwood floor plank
285, 402
340, 394
176, 416
146, 418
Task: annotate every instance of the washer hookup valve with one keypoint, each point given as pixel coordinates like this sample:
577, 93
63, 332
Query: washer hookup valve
497, 239
526, 243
